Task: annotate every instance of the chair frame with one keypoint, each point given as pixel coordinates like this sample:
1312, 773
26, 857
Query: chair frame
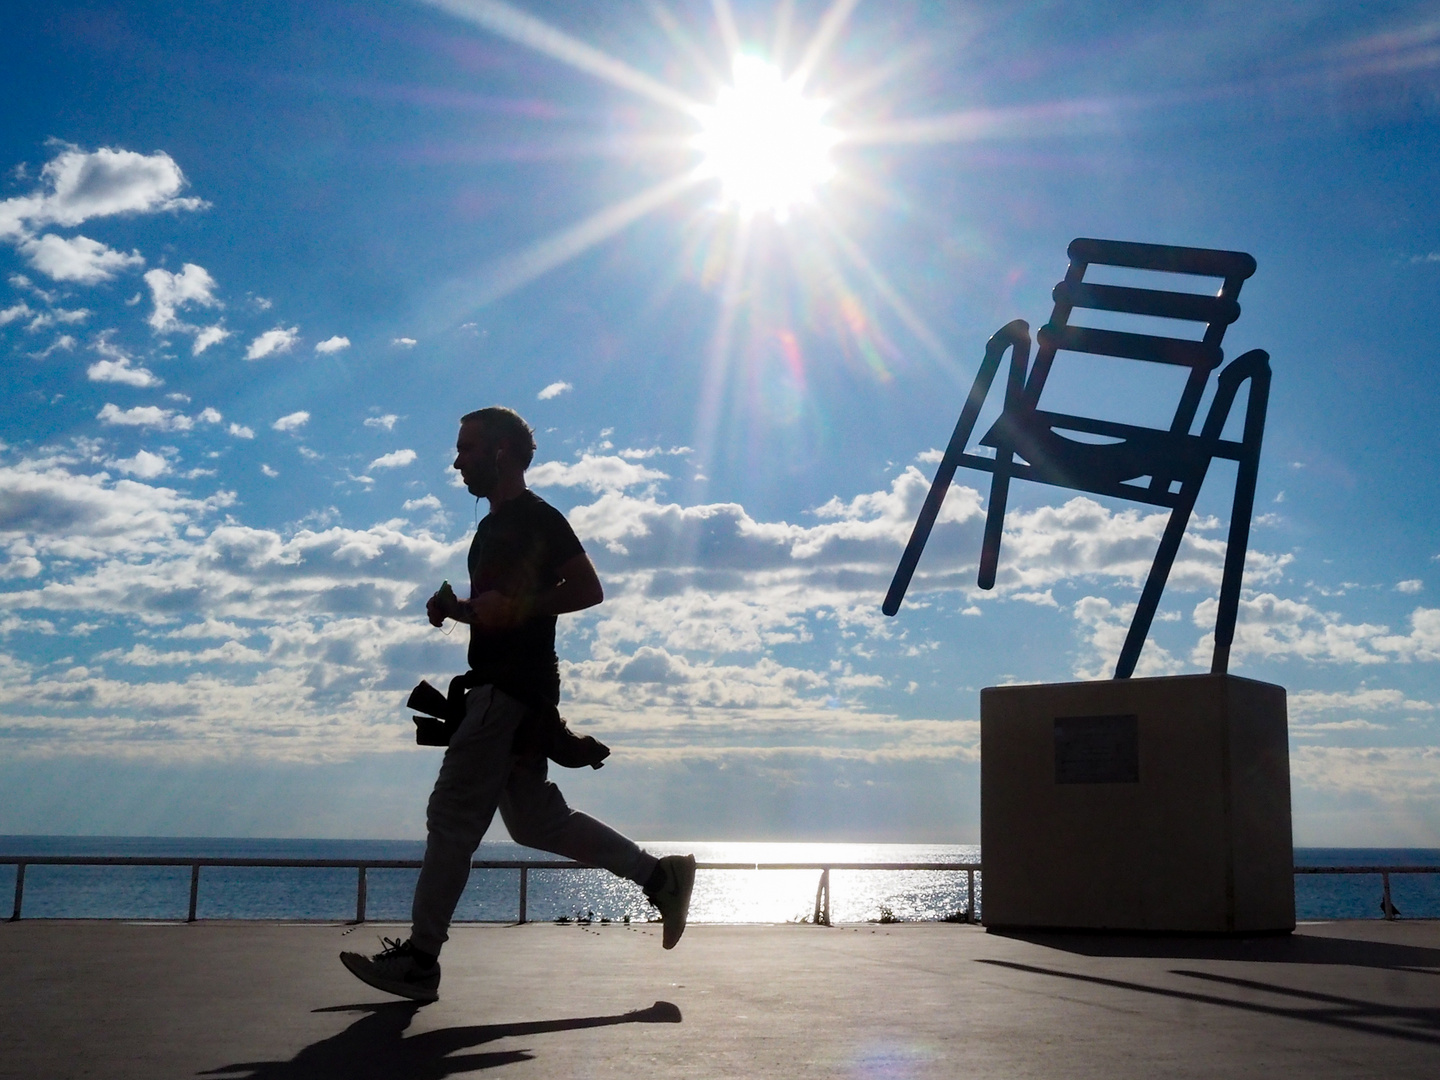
1028, 444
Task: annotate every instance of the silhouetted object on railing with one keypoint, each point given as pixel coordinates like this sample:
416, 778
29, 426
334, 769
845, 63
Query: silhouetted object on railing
1144, 464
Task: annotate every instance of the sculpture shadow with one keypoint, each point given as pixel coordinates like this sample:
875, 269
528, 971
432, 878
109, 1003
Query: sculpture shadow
1267, 948
375, 1046
1408, 1023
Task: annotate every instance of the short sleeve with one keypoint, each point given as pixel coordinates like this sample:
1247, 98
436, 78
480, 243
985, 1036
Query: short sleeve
560, 539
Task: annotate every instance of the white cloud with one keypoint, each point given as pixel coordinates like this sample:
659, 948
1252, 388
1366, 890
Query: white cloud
394, 460
332, 344
555, 389
77, 186
268, 471
425, 502
170, 292
209, 415
121, 371
144, 464
240, 431
279, 340
1414, 585
387, 421
633, 454
292, 421
147, 416
209, 335
1273, 627
403, 342
78, 259
18, 310
593, 472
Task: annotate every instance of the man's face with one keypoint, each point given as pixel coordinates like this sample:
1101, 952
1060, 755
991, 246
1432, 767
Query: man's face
475, 456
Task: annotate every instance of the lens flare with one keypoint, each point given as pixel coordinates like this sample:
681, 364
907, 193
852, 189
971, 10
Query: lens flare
766, 143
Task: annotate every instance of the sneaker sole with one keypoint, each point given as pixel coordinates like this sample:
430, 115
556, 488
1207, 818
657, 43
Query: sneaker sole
686, 887
360, 967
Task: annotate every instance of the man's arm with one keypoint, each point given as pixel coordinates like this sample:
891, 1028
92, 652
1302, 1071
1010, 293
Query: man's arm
579, 589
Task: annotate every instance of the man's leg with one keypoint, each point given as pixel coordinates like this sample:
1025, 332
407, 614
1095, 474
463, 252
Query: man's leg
462, 805
536, 815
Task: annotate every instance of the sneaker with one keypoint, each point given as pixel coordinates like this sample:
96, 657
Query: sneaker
396, 971
672, 898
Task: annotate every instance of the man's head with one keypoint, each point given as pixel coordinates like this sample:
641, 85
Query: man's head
493, 450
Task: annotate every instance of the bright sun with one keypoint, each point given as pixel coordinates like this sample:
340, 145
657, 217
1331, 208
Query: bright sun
766, 143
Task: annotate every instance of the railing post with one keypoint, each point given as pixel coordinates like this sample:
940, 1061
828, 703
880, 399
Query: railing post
1385, 904
970, 896
524, 888
19, 890
194, 890
822, 899
360, 896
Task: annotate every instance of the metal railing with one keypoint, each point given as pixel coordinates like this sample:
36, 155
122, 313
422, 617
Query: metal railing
362, 866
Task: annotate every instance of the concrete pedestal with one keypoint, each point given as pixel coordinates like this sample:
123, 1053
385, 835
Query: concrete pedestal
1140, 804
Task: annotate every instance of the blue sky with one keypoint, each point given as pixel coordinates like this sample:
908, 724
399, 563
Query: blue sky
258, 260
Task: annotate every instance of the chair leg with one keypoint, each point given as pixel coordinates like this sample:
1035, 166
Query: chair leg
1159, 574
1240, 512
994, 520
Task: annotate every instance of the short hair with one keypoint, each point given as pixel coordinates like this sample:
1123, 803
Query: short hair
509, 427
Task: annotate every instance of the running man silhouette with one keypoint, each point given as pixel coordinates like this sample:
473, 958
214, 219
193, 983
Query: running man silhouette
526, 567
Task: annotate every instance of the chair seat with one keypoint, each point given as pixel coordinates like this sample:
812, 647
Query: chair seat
1038, 438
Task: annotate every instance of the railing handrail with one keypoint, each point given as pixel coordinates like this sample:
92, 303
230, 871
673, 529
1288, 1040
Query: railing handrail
414, 864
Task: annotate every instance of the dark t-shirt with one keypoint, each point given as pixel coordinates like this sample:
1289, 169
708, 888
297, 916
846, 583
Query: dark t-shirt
518, 551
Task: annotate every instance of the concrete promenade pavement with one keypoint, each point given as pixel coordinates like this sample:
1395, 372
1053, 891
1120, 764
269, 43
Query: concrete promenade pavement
266, 1001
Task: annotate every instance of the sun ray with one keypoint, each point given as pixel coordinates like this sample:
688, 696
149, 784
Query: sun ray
878, 76
525, 29
831, 23
725, 21
712, 392
906, 314
545, 255
974, 125
780, 40
677, 34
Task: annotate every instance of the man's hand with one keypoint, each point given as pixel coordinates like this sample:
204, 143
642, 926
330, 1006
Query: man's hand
443, 605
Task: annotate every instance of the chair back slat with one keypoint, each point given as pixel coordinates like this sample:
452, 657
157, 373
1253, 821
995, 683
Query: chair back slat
1203, 262
1188, 307
1160, 350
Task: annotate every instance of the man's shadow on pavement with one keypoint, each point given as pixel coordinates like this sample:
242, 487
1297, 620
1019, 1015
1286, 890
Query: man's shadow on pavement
376, 1046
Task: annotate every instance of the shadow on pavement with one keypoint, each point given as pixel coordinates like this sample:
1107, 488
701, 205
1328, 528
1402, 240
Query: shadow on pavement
1275, 949
376, 1046
1351, 1014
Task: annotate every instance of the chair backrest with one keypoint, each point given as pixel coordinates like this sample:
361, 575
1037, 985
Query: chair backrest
1202, 356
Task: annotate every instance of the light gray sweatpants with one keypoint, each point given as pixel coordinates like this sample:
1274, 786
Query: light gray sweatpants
480, 774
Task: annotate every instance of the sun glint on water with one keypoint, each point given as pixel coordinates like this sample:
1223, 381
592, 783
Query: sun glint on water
765, 142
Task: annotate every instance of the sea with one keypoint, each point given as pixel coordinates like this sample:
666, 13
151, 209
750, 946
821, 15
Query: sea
721, 896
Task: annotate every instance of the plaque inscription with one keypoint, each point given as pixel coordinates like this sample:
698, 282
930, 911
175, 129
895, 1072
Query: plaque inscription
1097, 749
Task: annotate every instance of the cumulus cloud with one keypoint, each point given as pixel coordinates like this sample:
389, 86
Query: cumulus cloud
386, 422
171, 292
271, 342
121, 371
291, 421
208, 335
403, 342
597, 473
332, 344
1413, 585
146, 416
555, 389
144, 464
394, 460
1275, 627
240, 431
77, 185
78, 259
425, 502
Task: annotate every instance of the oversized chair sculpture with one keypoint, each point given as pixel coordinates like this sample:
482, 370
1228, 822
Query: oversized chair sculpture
1147, 465
1152, 804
